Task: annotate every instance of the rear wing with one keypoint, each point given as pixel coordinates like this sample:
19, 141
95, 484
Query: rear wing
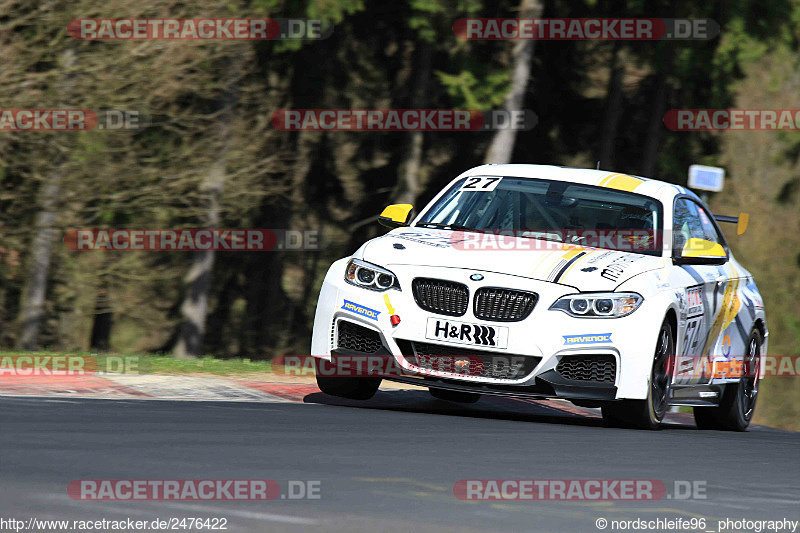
741, 221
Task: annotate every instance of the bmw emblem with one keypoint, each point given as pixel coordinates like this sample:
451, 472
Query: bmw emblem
476, 277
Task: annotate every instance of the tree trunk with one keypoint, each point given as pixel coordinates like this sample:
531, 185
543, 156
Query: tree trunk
408, 183
103, 320
45, 231
197, 282
656, 123
194, 310
502, 146
32, 305
608, 137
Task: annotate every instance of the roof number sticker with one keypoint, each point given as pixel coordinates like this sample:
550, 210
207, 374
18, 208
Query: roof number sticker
480, 183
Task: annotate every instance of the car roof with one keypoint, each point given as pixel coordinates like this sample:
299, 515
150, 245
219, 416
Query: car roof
602, 178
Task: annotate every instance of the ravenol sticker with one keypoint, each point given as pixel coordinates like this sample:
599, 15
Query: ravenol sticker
597, 338
726, 346
360, 310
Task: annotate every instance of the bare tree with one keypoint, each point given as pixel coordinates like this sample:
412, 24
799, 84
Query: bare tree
613, 112
45, 231
502, 146
656, 123
408, 185
194, 309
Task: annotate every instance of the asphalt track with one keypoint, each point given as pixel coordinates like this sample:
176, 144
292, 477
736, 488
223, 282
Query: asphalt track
388, 464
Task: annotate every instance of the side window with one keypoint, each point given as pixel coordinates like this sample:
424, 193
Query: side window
690, 221
711, 233
685, 225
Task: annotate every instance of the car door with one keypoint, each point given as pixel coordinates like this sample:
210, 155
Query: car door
708, 291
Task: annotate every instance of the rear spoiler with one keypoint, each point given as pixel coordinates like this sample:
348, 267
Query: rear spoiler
741, 221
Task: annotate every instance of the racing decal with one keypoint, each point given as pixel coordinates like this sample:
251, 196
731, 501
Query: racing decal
685, 365
727, 312
571, 263
481, 183
389, 306
691, 335
726, 346
683, 306
615, 268
756, 296
602, 256
597, 338
621, 182
661, 280
431, 239
692, 311
360, 310
566, 261
694, 301
465, 333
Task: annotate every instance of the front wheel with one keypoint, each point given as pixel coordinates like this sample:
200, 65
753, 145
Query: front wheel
738, 403
648, 413
352, 388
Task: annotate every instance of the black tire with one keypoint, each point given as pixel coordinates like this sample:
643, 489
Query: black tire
738, 401
352, 388
455, 396
648, 413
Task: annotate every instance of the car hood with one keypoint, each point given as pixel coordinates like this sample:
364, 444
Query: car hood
586, 269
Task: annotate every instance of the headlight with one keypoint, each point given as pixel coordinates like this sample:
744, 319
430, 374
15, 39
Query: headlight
598, 304
369, 276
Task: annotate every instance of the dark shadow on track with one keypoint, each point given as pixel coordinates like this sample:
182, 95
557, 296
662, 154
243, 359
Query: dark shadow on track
495, 408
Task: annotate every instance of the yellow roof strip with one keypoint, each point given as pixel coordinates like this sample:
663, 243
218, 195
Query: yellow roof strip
623, 182
605, 180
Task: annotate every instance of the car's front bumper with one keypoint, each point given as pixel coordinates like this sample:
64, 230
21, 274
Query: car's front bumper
542, 335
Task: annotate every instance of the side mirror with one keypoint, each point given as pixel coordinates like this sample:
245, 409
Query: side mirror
741, 221
396, 215
741, 226
701, 252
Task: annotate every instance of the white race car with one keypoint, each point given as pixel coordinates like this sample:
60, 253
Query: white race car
534, 281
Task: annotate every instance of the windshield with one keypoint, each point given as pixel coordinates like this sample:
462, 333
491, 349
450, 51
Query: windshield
550, 210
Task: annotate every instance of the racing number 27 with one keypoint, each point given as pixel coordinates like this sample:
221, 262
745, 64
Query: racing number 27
480, 184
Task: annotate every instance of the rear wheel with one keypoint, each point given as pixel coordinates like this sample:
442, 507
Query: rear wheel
455, 396
352, 388
647, 413
738, 401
